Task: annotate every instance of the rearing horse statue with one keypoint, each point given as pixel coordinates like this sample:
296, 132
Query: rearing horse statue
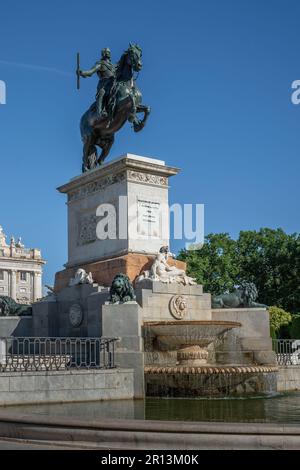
124, 102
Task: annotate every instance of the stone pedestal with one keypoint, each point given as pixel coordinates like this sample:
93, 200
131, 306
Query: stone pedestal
73, 312
104, 271
155, 299
117, 216
125, 321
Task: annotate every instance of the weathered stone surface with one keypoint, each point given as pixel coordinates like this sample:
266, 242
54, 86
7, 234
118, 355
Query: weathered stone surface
133, 178
252, 337
65, 386
53, 318
155, 301
4, 384
104, 271
288, 378
144, 434
16, 326
255, 322
121, 320
125, 321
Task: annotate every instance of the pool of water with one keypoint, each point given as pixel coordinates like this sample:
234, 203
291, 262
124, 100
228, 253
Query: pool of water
281, 408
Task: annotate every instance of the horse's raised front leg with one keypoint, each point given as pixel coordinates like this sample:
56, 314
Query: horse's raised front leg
138, 124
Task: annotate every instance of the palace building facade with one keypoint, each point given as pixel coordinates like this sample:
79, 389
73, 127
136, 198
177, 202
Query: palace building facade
20, 270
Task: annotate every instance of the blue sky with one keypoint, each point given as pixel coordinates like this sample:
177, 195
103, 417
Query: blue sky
217, 75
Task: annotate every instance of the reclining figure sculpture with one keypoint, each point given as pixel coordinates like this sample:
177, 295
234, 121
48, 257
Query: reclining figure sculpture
163, 272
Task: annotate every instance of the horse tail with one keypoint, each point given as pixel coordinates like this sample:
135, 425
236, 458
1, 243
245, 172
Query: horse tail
85, 127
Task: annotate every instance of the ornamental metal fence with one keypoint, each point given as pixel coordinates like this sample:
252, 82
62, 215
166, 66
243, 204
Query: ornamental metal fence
21, 354
287, 351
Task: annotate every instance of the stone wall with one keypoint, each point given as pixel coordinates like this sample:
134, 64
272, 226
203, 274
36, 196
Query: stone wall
154, 298
125, 321
65, 386
52, 318
288, 378
149, 434
16, 326
248, 344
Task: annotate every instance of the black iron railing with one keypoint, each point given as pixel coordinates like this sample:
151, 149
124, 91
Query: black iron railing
287, 351
34, 354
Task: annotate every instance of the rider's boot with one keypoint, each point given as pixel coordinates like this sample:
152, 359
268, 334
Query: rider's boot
100, 111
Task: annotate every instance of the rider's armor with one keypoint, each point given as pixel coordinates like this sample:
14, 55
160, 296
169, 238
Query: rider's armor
106, 74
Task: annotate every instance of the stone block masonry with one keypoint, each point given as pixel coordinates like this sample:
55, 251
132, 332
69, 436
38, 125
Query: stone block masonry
288, 379
65, 386
136, 190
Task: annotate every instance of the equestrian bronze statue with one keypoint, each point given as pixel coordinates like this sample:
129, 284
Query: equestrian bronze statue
117, 100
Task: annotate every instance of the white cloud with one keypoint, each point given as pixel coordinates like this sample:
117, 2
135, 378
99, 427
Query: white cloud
40, 68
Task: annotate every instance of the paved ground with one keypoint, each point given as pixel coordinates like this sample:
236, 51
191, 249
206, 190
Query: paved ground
18, 445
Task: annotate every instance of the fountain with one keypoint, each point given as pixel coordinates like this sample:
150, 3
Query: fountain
189, 338
180, 347
192, 371
180, 361
172, 338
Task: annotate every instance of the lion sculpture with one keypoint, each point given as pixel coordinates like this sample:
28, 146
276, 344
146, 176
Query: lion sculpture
242, 297
121, 290
9, 307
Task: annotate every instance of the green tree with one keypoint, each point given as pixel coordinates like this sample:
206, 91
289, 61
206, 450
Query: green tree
295, 327
215, 264
270, 258
279, 318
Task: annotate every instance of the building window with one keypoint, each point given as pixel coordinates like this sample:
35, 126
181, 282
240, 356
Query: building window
1, 275
23, 276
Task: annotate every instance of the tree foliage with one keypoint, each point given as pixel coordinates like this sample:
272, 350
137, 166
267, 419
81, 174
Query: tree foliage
270, 258
278, 318
294, 328
214, 265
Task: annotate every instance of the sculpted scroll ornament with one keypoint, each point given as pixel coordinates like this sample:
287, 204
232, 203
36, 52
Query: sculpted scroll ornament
101, 184
147, 178
96, 186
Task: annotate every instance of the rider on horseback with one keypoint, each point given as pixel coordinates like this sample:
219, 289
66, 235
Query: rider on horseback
120, 97
106, 71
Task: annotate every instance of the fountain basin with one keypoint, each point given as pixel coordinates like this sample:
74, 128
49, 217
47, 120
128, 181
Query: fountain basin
191, 375
224, 370
209, 381
177, 334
